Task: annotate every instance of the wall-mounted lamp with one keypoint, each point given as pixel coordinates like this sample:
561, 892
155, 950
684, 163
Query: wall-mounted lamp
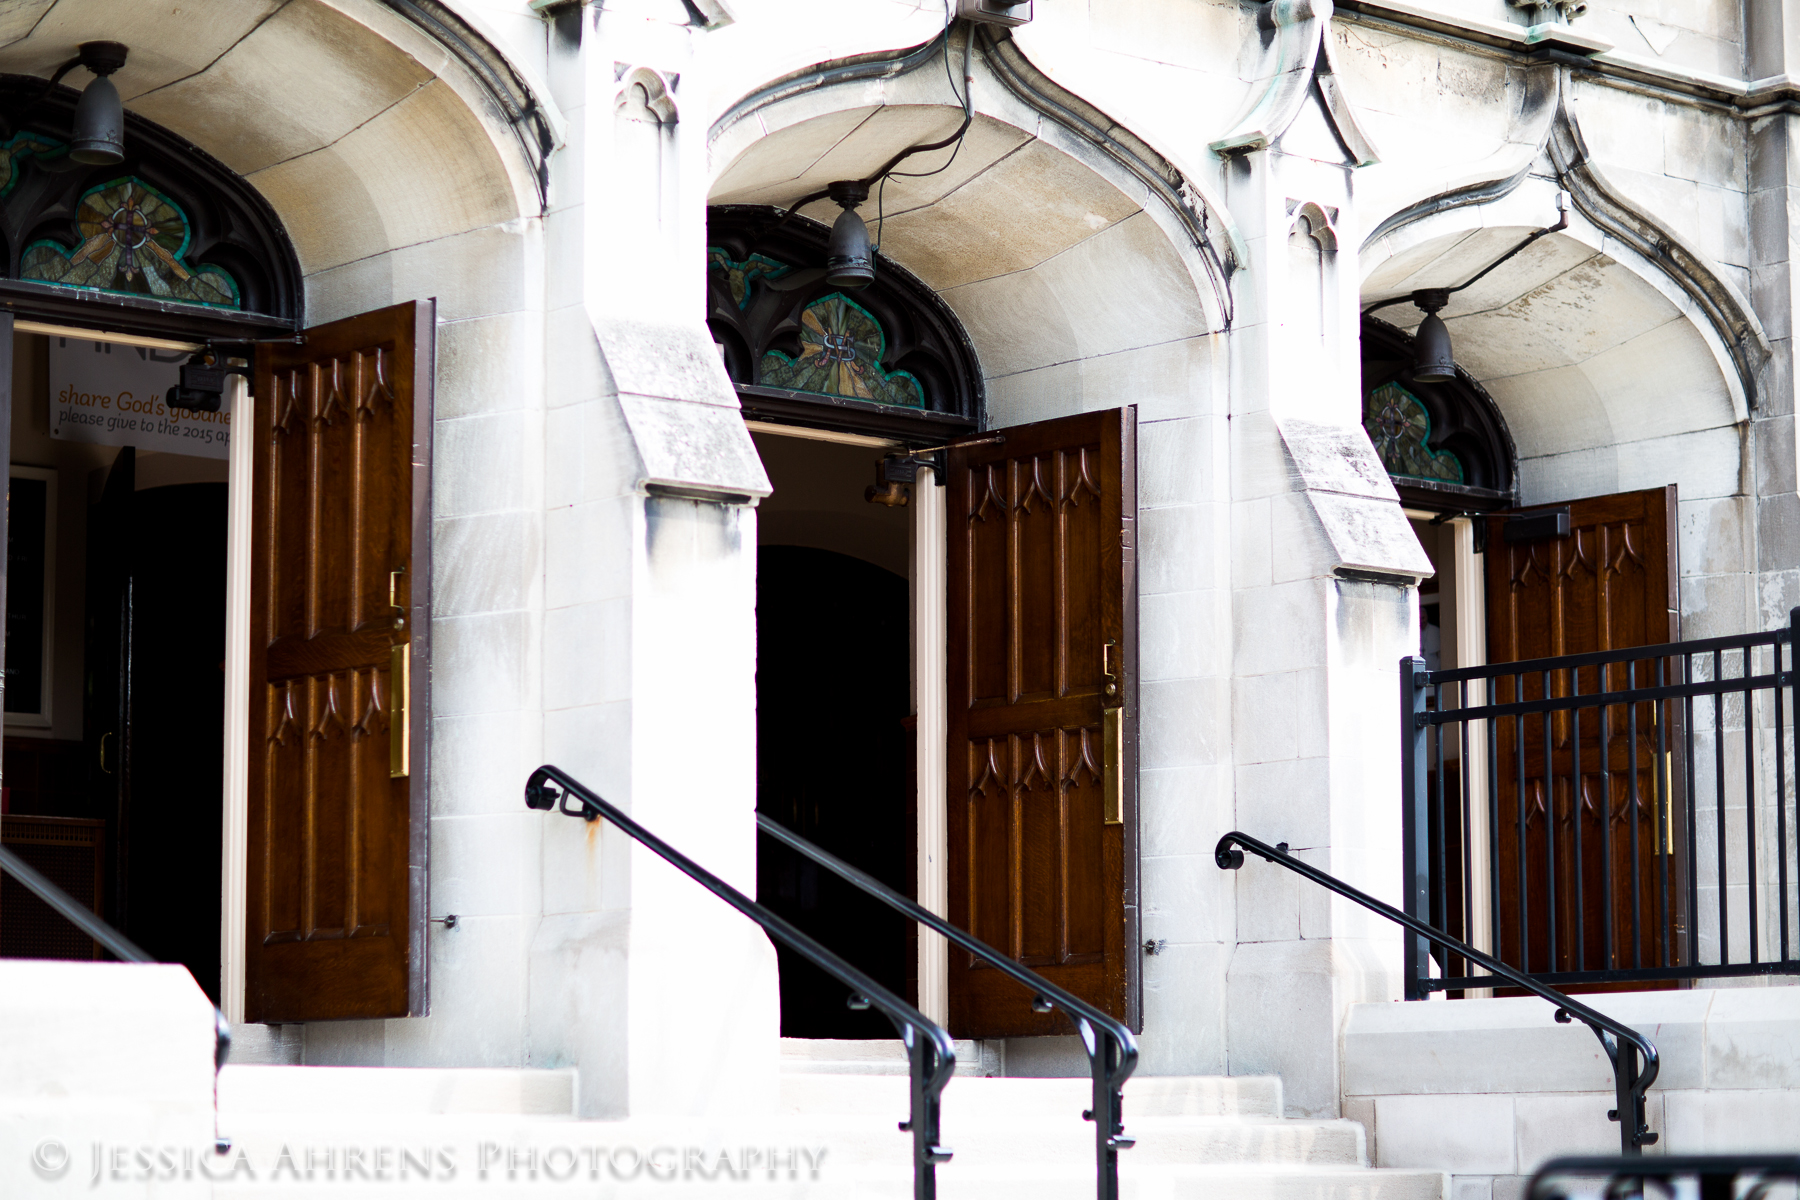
1432, 359
202, 386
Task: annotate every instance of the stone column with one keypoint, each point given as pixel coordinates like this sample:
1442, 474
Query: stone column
1323, 608
663, 997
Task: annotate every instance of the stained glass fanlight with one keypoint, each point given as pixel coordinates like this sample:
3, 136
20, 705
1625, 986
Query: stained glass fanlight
841, 347
134, 243
1400, 427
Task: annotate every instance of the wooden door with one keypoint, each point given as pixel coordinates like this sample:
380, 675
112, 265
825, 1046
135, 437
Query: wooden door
1608, 583
1043, 706
336, 864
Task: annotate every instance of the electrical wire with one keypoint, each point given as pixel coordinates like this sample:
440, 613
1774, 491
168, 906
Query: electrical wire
964, 100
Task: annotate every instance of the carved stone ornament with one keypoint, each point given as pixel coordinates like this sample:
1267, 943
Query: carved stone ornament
1559, 12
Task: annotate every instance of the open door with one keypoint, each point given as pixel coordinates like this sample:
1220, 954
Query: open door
336, 834
1589, 575
1042, 725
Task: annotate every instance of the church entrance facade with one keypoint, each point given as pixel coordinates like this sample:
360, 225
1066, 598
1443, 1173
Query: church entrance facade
1079, 513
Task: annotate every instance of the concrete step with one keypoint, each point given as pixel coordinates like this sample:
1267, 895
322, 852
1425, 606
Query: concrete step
1139, 1182
1145, 1095
831, 1056
248, 1090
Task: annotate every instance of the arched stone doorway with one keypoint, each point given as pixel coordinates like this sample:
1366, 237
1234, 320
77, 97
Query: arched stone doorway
386, 163
1109, 296
1628, 520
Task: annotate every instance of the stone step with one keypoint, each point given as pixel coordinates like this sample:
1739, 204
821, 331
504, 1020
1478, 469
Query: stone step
247, 1090
1175, 1157
1191, 1183
886, 1056
1145, 1095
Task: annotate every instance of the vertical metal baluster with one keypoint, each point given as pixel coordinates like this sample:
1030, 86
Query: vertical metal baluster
1415, 837
1549, 828
1467, 930
1493, 769
1780, 797
1607, 907
1692, 854
1521, 856
1750, 800
1631, 720
1718, 697
1440, 893
1663, 801
1579, 962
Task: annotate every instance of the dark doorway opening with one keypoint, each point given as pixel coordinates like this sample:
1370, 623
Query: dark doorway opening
122, 804
155, 691
835, 749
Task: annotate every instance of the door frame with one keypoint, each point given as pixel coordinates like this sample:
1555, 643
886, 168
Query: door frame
120, 325
929, 602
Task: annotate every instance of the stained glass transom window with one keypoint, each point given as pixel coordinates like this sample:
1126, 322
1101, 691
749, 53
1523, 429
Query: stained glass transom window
19, 147
841, 347
134, 242
740, 275
1401, 429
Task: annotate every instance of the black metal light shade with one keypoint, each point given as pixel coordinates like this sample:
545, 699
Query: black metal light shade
99, 135
849, 260
1432, 361
1431, 342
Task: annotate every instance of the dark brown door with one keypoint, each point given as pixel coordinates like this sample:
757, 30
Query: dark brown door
1043, 705
1608, 583
342, 434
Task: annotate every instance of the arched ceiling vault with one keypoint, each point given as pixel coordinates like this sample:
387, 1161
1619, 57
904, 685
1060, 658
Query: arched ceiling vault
1053, 257
1586, 352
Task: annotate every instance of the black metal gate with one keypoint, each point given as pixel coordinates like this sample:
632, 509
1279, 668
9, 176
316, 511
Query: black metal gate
1618, 817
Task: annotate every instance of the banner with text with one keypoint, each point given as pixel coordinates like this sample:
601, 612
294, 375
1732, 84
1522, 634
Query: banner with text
113, 396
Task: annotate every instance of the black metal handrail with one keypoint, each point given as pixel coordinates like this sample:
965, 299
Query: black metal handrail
1623, 1044
121, 948
1715, 1176
931, 1055
1112, 1051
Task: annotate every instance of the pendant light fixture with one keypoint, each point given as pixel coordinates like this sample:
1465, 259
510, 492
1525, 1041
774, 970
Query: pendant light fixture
100, 115
1433, 361
849, 256
98, 136
849, 262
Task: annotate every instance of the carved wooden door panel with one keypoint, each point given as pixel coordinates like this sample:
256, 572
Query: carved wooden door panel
335, 912
1043, 705
1608, 583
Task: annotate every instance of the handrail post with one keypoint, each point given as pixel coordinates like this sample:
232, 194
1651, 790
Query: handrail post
1415, 825
922, 1064
1630, 1110
1107, 1114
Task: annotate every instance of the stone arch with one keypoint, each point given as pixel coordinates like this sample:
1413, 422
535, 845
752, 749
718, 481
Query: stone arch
1064, 266
1609, 375
368, 137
